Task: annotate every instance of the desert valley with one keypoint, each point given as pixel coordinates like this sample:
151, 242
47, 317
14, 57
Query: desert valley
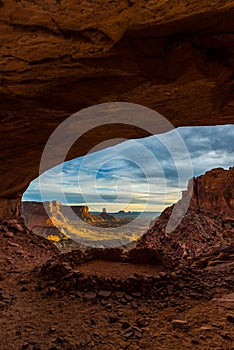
80, 228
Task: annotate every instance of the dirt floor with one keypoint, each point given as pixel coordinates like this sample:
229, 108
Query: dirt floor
32, 319
117, 269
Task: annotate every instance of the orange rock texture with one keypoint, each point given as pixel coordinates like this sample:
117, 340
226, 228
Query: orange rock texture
58, 57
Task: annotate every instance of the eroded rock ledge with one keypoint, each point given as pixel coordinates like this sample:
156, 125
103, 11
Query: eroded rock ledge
58, 57
10, 208
208, 222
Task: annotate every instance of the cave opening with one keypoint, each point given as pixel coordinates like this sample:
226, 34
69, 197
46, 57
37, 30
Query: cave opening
117, 193
175, 57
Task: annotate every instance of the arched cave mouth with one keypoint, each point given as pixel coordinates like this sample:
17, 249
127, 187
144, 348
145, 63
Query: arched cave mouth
59, 57
108, 190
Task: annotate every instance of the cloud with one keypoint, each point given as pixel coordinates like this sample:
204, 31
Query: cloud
153, 170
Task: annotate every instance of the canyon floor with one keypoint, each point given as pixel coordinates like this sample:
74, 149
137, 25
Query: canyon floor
193, 307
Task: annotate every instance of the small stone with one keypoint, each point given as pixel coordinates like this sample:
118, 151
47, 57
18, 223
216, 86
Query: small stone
67, 276
137, 329
173, 275
8, 234
52, 290
104, 294
142, 322
4, 295
217, 325
129, 335
163, 274
205, 328
119, 294
52, 330
156, 278
138, 335
96, 334
2, 304
19, 252
170, 289
12, 244
90, 296
108, 306
134, 305
128, 297
3, 228
16, 227
25, 346
79, 294
24, 281
180, 324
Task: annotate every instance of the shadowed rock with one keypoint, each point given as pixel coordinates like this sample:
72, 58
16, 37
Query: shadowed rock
174, 57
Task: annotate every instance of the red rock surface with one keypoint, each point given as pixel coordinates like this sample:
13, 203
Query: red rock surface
72, 227
52, 213
214, 192
208, 222
58, 57
67, 304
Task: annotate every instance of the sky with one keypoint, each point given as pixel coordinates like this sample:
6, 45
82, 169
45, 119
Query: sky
137, 175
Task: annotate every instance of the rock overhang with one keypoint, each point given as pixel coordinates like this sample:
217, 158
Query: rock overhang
58, 58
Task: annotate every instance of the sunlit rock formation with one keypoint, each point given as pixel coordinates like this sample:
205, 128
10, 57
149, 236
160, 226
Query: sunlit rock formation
208, 222
214, 192
66, 225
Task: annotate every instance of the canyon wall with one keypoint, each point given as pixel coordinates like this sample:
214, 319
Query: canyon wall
214, 192
45, 214
10, 208
209, 220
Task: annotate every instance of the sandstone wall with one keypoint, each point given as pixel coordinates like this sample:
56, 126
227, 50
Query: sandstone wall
58, 57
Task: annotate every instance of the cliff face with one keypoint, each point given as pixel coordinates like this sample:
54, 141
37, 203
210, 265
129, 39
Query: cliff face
58, 57
67, 225
34, 214
52, 213
208, 222
214, 192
